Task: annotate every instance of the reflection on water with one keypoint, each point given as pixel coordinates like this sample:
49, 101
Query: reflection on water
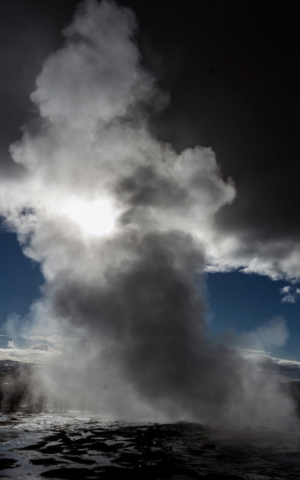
86, 447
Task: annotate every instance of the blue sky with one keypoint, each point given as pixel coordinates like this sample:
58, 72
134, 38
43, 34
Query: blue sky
246, 301
237, 301
20, 278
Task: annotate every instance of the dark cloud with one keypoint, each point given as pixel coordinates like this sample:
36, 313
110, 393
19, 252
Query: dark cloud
146, 187
27, 37
232, 72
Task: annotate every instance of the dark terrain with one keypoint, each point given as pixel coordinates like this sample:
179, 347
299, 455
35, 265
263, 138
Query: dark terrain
69, 447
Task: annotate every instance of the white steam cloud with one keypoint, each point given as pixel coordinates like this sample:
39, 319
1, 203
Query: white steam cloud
121, 225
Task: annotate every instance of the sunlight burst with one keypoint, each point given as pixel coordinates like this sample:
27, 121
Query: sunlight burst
94, 217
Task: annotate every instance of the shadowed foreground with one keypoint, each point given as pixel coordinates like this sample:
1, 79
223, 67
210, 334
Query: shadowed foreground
65, 447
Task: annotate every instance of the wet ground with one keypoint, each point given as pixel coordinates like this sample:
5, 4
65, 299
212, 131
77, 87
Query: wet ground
77, 447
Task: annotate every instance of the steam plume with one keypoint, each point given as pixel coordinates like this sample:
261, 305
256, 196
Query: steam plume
129, 302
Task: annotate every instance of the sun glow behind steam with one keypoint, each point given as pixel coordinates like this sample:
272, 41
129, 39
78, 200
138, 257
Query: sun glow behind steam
94, 217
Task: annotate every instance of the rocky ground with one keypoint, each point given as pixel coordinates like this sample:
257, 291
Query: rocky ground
74, 446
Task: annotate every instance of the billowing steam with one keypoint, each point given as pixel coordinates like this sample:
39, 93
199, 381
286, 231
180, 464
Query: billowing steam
120, 224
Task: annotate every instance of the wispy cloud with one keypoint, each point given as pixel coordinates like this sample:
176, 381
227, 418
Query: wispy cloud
272, 334
31, 355
289, 294
288, 369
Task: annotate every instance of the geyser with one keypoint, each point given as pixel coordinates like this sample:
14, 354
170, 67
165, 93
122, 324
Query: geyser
128, 304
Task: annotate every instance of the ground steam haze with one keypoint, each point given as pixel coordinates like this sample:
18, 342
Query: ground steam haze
123, 226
